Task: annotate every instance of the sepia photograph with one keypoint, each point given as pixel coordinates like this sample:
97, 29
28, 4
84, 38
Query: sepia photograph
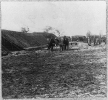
54, 49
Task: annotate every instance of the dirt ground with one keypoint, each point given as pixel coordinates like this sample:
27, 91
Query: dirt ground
66, 74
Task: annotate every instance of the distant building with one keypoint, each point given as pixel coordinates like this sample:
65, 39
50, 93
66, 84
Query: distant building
79, 38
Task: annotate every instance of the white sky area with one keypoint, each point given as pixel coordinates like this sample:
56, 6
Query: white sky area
69, 17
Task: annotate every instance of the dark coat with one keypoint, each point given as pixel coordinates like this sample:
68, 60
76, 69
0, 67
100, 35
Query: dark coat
66, 41
52, 42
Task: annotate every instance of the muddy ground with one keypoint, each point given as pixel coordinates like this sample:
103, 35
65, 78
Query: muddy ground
72, 73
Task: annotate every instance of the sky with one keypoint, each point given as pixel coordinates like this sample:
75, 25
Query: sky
69, 17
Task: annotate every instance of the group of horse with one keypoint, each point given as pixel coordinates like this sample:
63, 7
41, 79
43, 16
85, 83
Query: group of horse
62, 43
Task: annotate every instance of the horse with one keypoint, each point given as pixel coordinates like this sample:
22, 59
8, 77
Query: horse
51, 44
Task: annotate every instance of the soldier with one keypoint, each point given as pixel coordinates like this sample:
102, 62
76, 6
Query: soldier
89, 41
94, 40
51, 44
61, 44
66, 43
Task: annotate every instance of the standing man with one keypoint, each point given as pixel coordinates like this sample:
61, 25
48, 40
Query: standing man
51, 44
66, 43
61, 44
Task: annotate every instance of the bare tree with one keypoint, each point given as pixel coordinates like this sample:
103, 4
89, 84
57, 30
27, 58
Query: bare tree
49, 29
88, 34
58, 32
24, 30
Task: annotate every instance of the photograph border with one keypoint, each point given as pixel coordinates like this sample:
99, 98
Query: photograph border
57, 1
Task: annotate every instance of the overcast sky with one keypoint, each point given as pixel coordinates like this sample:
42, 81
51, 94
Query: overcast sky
69, 17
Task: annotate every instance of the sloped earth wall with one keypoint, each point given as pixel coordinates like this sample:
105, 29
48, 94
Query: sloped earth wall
68, 74
14, 41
